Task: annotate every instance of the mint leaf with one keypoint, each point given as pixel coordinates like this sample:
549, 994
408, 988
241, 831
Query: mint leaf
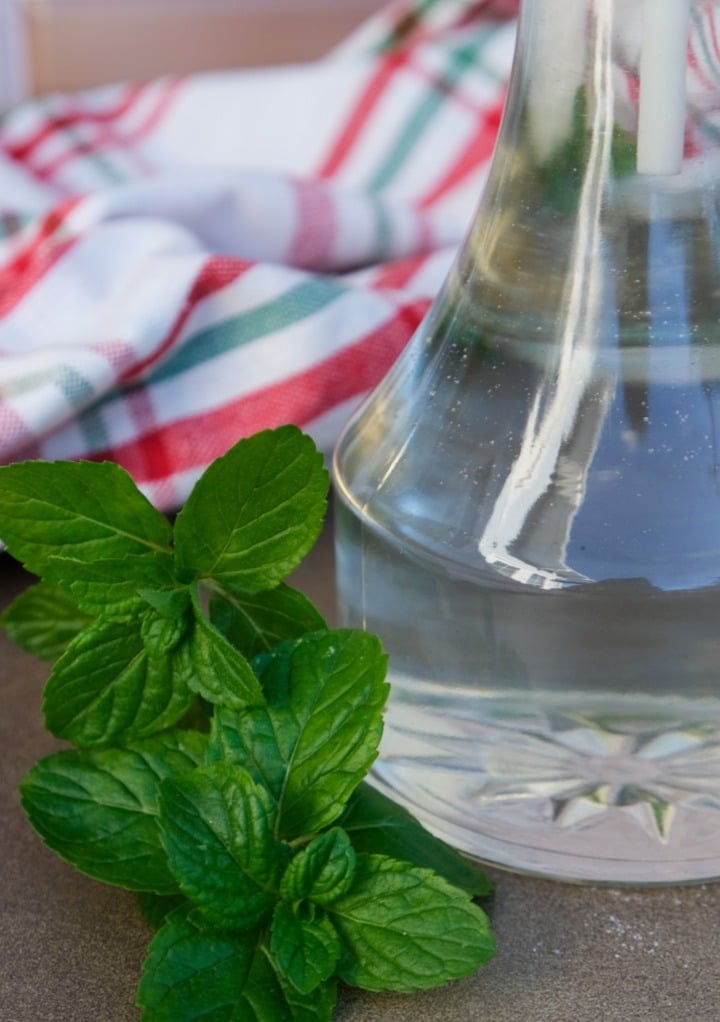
172, 603
257, 622
161, 634
254, 513
155, 908
248, 739
110, 587
268, 997
166, 620
105, 688
319, 734
315, 1007
322, 872
99, 810
43, 620
376, 824
326, 693
191, 974
217, 831
83, 525
216, 670
197, 975
305, 950
406, 929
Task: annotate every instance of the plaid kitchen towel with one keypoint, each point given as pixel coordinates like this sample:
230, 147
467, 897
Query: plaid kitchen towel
188, 260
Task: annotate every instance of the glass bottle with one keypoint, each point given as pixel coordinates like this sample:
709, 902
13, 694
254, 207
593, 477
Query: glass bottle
528, 506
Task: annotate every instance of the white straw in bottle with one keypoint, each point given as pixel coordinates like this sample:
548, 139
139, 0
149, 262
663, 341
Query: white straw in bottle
663, 58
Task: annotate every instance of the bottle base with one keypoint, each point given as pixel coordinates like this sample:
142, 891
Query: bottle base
506, 855
585, 798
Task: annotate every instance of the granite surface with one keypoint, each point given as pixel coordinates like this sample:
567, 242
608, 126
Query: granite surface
71, 949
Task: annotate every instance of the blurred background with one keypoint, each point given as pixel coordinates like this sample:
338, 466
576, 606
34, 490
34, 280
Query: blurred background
49, 45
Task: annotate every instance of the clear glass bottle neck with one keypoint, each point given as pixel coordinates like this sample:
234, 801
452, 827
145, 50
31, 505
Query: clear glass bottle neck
571, 229
621, 96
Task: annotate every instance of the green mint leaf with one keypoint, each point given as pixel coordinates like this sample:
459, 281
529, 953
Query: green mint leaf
254, 513
255, 623
155, 908
99, 810
322, 872
58, 515
305, 949
248, 739
217, 831
315, 1007
216, 670
110, 586
43, 620
406, 929
105, 689
161, 634
376, 824
192, 974
318, 735
172, 604
268, 997
326, 694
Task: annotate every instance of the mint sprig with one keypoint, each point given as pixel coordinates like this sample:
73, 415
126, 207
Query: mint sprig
223, 733
43, 620
99, 809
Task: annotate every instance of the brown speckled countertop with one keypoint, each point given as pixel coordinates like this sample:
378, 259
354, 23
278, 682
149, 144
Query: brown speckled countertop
71, 949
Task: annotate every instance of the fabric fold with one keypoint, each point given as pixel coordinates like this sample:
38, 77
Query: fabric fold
186, 261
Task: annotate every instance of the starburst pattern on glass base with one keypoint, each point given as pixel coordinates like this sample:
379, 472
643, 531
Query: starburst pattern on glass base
580, 766
597, 779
